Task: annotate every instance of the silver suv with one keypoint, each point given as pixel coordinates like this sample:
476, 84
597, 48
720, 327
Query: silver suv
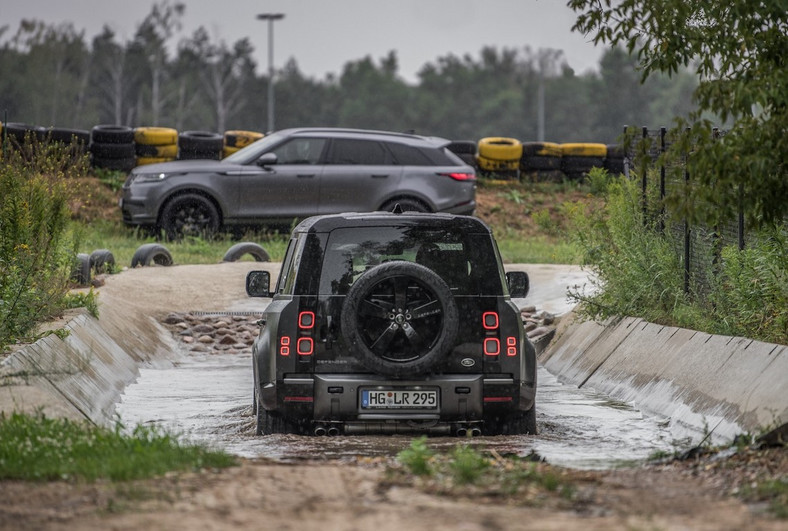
296, 173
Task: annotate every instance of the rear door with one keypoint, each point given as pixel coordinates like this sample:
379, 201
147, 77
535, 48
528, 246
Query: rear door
357, 175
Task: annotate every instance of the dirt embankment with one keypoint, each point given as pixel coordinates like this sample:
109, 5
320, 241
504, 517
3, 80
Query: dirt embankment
363, 493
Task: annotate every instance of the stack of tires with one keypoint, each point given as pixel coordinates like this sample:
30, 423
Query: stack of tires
16, 133
578, 159
541, 161
77, 138
155, 144
200, 145
112, 147
235, 140
465, 150
500, 155
614, 161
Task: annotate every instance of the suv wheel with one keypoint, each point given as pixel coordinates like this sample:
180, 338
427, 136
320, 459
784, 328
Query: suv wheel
189, 215
519, 423
400, 318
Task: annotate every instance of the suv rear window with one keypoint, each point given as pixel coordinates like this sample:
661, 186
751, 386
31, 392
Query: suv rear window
466, 262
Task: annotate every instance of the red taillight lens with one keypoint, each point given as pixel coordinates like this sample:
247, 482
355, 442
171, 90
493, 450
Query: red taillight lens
305, 346
492, 347
490, 320
284, 346
306, 320
460, 176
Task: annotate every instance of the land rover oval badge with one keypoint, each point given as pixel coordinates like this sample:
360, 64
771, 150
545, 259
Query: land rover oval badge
467, 362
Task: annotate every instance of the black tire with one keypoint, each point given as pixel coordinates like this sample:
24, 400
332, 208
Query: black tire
518, 423
238, 250
112, 134
466, 147
578, 165
200, 142
102, 261
189, 215
614, 166
112, 151
272, 422
115, 164
406, 204
19, 132
80, 273
539, 163
151, 253
400, 318
80, 137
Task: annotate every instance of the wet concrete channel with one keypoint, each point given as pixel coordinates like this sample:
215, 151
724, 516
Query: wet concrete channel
206, 397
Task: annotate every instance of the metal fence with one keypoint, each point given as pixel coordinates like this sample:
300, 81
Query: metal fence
699, 247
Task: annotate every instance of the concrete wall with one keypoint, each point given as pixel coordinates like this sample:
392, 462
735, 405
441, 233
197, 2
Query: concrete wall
83, 374
705, 382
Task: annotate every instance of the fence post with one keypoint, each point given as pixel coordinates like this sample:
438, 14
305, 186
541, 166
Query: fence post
644, 178
626, 152
687, 239
662, 149
741, 217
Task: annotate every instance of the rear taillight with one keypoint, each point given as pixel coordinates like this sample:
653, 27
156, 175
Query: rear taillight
492, 345
511, 346
458, 176
305, 345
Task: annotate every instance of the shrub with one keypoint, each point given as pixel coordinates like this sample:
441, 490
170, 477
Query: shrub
36, 248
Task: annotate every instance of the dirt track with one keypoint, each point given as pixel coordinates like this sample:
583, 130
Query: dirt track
359, 493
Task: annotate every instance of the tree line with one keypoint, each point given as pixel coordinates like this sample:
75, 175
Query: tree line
52, 75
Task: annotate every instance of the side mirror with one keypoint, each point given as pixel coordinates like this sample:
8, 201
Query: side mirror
258, 284
518, 283
268, 159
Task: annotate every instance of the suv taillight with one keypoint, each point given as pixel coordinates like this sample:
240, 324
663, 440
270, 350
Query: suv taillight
458, 176
305, 345
492, 342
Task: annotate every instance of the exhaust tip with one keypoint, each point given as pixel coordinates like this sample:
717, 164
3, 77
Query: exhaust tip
320, 431
475, 432
462, 432
333, 431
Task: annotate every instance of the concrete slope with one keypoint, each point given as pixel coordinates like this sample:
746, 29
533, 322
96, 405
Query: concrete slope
723, 384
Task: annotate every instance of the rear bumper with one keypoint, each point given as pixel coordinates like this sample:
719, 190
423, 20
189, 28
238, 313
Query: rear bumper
337, 397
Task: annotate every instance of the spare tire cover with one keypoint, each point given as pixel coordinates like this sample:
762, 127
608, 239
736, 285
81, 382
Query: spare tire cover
400, 319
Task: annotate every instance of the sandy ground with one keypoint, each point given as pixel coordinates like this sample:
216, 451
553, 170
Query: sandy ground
361, 494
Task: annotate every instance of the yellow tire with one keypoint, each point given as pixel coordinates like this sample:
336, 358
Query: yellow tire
500, 148
155, 136
541, 149
239, 139
488, 164
584, 150
228, 150
141, 161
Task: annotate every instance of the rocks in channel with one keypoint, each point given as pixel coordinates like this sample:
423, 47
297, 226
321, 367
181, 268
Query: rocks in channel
219, 333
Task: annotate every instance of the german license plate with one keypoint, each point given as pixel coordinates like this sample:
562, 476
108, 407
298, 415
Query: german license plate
399, 399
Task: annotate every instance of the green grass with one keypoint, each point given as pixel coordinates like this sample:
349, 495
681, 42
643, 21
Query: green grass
123, 242
33, 447
536, 250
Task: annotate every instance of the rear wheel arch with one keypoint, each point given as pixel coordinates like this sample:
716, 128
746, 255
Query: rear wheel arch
187, 191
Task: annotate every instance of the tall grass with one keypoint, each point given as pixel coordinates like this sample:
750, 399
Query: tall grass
639, 273
37, 250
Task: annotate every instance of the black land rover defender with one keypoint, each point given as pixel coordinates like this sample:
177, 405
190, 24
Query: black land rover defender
390, 323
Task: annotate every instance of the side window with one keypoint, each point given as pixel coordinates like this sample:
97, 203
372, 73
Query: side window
408, 155
287, 275
350, 151
300, 151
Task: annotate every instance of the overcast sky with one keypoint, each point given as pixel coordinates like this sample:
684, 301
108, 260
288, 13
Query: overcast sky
323, 35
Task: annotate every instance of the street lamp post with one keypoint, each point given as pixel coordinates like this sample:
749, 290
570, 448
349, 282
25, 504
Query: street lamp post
270, 17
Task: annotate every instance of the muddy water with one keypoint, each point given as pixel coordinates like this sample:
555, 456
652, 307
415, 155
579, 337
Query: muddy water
207, 398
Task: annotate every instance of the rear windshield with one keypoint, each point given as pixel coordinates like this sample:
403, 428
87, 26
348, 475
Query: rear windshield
466, 262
